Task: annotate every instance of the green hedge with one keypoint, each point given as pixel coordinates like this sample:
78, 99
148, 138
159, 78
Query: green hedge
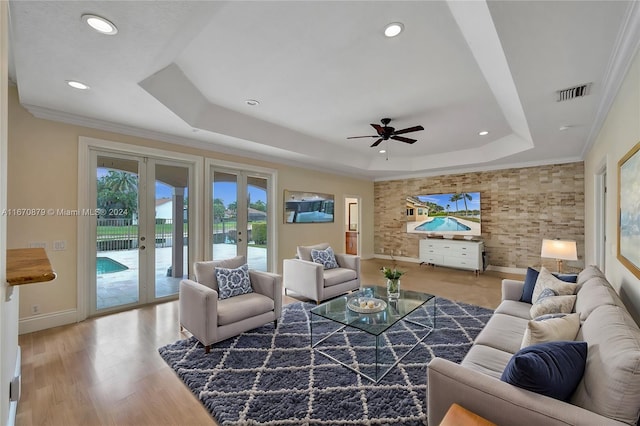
259, 232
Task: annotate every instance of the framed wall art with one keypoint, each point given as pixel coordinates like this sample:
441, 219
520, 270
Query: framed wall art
308, 207
629, 210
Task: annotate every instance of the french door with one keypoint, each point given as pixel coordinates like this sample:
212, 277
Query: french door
241, 213
141, 230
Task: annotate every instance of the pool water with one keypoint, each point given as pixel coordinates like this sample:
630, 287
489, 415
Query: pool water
106, 265
442, 224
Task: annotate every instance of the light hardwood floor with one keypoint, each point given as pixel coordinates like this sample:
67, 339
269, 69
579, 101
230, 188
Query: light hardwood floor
107, 371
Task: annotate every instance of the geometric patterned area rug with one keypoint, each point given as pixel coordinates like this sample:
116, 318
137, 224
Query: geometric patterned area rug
273, 377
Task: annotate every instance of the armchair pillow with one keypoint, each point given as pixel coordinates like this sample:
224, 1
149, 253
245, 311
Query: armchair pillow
553, 369
324, 257
233, 282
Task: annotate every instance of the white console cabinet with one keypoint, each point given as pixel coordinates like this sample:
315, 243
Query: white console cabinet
461, 254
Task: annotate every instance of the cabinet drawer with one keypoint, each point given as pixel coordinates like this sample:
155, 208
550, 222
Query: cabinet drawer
434, 259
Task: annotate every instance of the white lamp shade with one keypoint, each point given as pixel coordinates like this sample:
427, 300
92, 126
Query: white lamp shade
559, 249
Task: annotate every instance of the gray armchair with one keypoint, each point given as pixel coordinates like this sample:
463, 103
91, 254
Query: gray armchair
211, 320
311, 280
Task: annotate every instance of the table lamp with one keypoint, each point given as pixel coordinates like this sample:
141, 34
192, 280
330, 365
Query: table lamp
559, 250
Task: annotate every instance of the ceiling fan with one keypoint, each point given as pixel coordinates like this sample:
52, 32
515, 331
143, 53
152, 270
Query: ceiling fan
385, 133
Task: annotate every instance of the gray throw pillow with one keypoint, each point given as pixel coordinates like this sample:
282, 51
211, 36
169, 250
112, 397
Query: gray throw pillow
233, 282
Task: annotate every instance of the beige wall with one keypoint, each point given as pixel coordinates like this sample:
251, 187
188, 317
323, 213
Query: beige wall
8, 295
519, 207
620, 132
43, 173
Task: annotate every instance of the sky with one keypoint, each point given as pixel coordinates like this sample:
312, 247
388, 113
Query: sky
443, 200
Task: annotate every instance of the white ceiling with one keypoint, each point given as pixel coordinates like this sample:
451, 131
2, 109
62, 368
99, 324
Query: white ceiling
322, 71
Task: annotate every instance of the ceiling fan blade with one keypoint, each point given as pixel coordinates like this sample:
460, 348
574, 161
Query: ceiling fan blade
408, 130
356, 137
378, 128
403, 139
376, 143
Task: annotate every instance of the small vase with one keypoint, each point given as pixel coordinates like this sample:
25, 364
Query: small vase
393, 288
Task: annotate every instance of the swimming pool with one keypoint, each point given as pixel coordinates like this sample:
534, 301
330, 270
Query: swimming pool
442, 224
106, 265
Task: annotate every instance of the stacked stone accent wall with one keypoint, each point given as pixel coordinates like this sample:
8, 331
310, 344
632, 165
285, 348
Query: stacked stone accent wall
519, 207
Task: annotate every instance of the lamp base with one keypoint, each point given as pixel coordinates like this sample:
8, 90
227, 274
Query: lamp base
559, 261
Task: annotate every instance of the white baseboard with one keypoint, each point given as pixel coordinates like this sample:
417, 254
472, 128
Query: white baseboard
44, 321
399, 258
508, 270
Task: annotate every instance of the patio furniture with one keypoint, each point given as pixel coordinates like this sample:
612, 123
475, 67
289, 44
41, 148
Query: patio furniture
312, 280
210, 319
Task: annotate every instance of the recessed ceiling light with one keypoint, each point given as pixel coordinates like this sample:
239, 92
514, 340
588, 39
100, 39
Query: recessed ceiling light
563, 128
252, 102
393, 29
483, 133
100, 24
382, 151
77, 85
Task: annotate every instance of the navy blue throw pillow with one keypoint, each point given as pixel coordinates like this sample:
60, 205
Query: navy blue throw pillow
553, 369
530, 283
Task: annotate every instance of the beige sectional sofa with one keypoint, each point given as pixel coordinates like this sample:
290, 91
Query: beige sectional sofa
609, 393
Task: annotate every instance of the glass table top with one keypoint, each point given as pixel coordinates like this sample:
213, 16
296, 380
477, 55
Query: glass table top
372, 323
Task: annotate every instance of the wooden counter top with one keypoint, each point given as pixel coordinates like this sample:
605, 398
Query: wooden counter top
29, 265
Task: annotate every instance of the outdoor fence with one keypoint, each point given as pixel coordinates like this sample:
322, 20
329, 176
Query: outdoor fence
122, 234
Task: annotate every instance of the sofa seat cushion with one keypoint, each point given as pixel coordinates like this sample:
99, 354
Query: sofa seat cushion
514, 308
611, 382
486, 360
338, 276
242, 307
503, 332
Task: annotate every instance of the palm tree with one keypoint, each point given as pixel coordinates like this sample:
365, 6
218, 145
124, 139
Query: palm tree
466, 197
456, 197
124, 182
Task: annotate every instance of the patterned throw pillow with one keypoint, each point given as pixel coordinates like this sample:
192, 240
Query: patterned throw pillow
324, 257
552, 305
233, 282
547, 280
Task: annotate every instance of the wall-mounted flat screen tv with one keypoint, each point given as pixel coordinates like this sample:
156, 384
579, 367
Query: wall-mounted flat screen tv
307, 207
444, 214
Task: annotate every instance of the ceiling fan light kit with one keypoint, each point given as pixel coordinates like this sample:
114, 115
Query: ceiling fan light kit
386, 132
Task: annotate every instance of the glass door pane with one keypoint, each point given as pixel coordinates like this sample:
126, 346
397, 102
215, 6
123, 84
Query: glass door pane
224, 205
118, 258
257, 218
171, 228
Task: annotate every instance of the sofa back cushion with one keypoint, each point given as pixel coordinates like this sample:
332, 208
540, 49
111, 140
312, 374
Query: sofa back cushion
304, 252
593, 293
611, 382
589, 272
206, 271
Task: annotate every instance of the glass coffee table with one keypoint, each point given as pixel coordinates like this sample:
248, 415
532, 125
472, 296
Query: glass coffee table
371, 338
